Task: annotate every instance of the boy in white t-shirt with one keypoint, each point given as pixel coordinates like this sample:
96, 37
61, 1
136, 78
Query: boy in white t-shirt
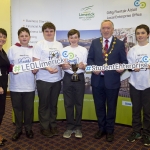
48, 80
22, 85
140, 86
73, 92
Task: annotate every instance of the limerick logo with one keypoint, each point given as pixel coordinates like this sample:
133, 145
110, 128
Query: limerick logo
137, 3
68, 55
86, 13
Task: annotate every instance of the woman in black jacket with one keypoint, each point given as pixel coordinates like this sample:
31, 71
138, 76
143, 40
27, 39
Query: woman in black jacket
4, 70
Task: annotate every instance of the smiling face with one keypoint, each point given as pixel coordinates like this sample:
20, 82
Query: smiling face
49, 34
3, 39
24, 38
141, 36
107, 29
73, 40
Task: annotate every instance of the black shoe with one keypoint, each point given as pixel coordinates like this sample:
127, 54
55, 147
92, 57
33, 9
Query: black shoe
146, 140
46, 133
2, 143
134, 136
16, 136
29, 134
54, 131
4, 140
99, 134
109, 137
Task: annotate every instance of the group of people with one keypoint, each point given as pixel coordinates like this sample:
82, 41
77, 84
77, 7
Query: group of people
106, 50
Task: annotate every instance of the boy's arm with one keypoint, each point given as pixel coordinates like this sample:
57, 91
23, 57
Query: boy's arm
11, 59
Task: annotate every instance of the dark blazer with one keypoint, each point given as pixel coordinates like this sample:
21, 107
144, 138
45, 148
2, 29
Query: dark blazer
95, 57
4, 67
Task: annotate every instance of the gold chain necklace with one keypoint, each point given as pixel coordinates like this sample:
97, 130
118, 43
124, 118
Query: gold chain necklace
105, 52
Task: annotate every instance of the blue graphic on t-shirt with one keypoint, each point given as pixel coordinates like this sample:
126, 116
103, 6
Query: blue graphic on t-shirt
145, 59
24, 60
142, 59
65, 54
73, 61
53, 55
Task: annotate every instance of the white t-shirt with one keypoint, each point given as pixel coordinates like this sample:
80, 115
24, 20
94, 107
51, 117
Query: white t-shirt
140, 80
44, 51
75, 56
25, 81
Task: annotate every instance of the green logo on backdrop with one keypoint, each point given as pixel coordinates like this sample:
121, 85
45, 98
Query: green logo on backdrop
86, 13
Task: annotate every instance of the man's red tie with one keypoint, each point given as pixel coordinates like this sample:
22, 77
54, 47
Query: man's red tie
106, 45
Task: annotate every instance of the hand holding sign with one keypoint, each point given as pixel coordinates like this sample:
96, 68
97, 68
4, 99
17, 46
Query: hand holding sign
66, 65
81, 65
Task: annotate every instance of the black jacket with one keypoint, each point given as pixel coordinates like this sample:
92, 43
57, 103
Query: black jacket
4, 66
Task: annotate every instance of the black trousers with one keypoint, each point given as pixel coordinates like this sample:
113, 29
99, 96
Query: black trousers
3, 96
140, 100
105, 97
73, 93
23, 103
48, 97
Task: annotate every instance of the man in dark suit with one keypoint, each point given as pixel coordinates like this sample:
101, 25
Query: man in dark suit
106, 50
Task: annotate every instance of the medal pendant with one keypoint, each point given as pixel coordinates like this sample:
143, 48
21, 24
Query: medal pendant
106, 59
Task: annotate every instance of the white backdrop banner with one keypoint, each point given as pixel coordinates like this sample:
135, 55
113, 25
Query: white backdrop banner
81, 15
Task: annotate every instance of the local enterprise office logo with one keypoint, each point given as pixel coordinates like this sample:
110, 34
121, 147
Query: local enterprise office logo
137, 3
86, 13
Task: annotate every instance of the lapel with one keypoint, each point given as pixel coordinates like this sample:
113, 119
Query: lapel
4, 56
100, 47
110, 45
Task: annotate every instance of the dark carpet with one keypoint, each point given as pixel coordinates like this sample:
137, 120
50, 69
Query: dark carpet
40, 142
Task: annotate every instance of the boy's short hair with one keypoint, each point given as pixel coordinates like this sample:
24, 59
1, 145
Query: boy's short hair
23, 29
72, 32
143, 26
48, 25
3, 31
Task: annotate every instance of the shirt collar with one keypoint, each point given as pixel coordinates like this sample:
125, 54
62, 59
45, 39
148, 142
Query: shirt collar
110, 39
19, 45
